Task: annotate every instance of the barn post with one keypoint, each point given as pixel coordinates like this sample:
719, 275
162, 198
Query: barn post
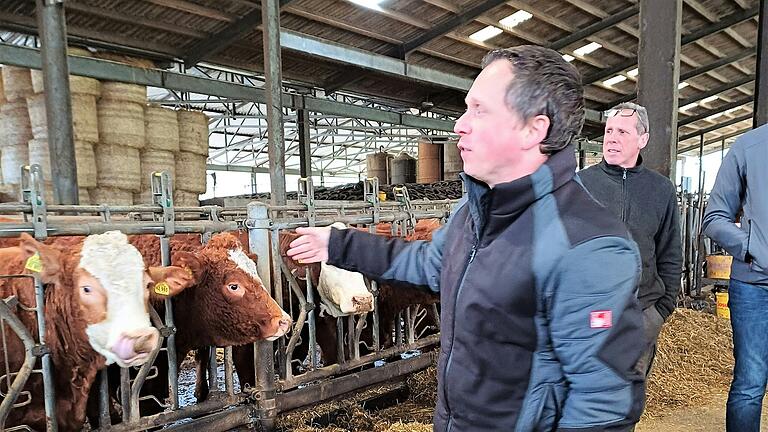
264, 388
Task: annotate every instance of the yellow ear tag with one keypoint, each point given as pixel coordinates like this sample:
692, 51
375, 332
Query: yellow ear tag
34, 264
162, 288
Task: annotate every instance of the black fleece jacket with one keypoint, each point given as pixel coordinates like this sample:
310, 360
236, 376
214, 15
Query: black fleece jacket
646, 202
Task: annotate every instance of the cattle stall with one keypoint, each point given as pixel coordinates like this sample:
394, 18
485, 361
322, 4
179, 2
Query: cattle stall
298, 370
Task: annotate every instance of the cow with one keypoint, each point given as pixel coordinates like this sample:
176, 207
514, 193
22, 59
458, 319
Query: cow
96, 293
226, 304
334, 288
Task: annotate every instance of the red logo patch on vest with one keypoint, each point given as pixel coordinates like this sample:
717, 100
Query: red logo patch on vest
600, 319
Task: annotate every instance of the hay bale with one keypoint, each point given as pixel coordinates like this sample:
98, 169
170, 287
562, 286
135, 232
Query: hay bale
14, 118
117, 91
13, 157
193, 132
161, 127
694, 359
84, 117
17, 83
121, 58
111, 196
155, 160
77, 84
9, 193
186, 199
118, 167
121, 123
83, 196
39, 153
190, 172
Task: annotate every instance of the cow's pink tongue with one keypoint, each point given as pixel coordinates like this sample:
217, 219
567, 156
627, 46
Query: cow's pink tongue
123, 348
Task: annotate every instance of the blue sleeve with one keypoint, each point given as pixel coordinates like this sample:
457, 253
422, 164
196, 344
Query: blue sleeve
596, 328
724, 203
397, 261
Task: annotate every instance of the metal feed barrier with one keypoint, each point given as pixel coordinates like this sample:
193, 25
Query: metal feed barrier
282, 382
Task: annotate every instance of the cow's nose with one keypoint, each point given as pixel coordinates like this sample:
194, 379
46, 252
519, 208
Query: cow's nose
285, 323
363, 303
146, 343
132, 348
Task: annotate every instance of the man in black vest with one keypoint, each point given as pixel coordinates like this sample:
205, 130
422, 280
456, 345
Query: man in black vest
540, 320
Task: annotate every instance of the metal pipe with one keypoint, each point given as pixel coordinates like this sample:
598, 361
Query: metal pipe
221, 421
26, 368
85, 229
173, 366
270, 10
168, 417
105, 419
58, 104
229, 381
48, 382
339, 386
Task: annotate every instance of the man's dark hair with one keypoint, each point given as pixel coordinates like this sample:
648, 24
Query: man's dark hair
544, 83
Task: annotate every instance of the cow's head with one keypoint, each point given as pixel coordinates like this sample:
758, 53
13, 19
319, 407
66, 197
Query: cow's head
107, 287
230, 295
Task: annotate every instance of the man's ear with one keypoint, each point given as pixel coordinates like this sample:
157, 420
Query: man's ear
40, 258
537, 129
168, 281
644, 140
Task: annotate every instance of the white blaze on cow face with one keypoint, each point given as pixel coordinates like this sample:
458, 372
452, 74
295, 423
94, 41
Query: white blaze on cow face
246, 264
124, 336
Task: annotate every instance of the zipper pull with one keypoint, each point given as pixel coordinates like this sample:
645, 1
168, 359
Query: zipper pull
624, 176
472, 253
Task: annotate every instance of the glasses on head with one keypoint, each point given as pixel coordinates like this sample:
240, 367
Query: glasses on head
623, 112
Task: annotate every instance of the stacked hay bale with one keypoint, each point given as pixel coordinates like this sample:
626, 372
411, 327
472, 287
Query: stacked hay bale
162, 142
121, 138
84, 94
190, 162
16, 130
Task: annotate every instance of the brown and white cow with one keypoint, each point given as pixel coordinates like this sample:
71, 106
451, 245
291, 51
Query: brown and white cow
96, 293
226, 304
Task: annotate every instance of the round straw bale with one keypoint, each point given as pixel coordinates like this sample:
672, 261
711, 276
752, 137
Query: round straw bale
84, 117
186, 199
121, 123
84, 197
117, 91
39, 153
118, 167
9, 193
17, 82
161, 128
12, 159
14, 123
156, 160
77, 84
190, 172
193, 132
111, 196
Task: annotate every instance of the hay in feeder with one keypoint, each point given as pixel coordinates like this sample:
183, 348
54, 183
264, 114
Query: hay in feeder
193, 132
121, 92
694, 361
121, 123
156, 161
84, 117
118, 167
161, 126
17, 83
190, 172
111, 196
14, 118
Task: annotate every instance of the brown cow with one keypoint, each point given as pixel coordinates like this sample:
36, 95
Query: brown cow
95, 314
227, 304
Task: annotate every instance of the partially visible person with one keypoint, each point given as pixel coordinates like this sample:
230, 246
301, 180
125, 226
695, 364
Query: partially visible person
742, 184
538, 283
646, 202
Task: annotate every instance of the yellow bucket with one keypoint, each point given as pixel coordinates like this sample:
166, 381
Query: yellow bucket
719, 266
382, 196
721, 298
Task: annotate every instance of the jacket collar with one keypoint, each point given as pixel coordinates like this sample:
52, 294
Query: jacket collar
494, 209
617, 171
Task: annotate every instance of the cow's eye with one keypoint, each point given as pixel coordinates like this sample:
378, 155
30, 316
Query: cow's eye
234, 287
87, 289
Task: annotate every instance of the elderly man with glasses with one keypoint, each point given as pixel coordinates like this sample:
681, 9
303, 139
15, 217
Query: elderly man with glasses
646, 202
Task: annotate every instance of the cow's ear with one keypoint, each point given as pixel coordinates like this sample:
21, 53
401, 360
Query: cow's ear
191, 263
40, 258
168, 281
